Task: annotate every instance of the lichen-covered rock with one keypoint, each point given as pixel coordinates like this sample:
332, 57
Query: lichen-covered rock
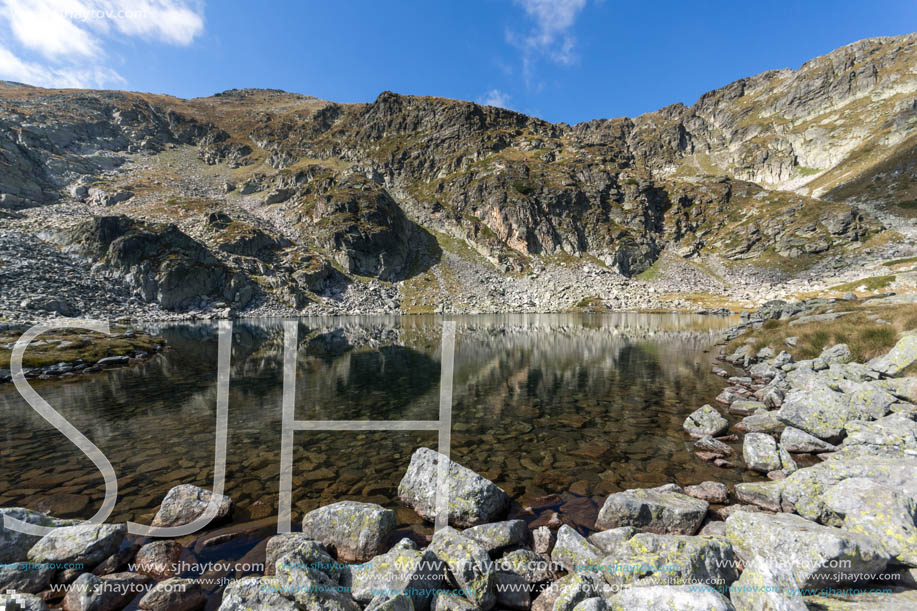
354, 531
158, 558
318, 556
761, 494
309, 587
864, 506
473, 499
255, 594
390, 602
760, 453
661, 512
766, 586
573, 552
108, 593
447, 601
866, 400
795, 440
87, 544
185, 503
580, 587
649, 559
711, 492
705, 421
899, 358
591, 604
609, 540
839, 353
14, 545
818, 554
819, 411
399, 569
893, 435
761, 422
709, 444
24, 577
665, 598
497, 536
469, 564
10, 601
529, 565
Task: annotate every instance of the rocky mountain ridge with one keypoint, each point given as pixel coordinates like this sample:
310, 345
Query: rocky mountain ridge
265, 202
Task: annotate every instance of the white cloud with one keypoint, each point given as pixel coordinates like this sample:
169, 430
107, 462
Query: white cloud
495, 97
551, 36
67, 38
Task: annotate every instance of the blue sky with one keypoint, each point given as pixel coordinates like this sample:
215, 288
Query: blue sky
563, 60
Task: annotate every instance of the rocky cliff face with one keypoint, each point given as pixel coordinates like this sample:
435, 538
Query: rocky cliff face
258, 198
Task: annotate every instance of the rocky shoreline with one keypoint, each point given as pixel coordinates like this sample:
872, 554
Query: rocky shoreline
838, 533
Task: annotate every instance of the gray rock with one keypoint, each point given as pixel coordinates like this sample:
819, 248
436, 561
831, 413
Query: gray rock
314, 552
839, 353
591, 604
469, 564
709, 444
174, 594
761, 422
894, 435
354, 531
794, 440
255, 594
745, 407
649, 559
899, 358
185, 503
529, 565
652, 511
580, 587
865, 400
711, 492
497, 536
21, 602
23, 577
903, 388
310, 588
665, 598
819, 411
609, 540
473, 500
447, 601
543, 539
760, 453
817, 554
390, 602
864, 506
14, 545
108, 593
767, 495
705, 421
86, 544
573, 552
766, 586
397, 570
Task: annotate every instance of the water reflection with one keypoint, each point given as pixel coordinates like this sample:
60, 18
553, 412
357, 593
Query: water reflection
577, 404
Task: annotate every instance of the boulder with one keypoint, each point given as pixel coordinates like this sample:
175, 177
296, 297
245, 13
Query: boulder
903, 388
529, 565
818, 555
839, 353
185, 503
760, 452
254, 593
355, 532
15, 601
86, 544
158, 559
573, 552
318, 556
899, 358
894, 435
820, 412
469, 564
661, 598
108, 593
473, 500
767, 495
14, 545
609, 540
795, 440
652, 511
761, 422
580, 587
649, 559
397, 570
709, 444
23, 577
543, 539
309, 587
174, 594
746, 407
705, 421
711, 492
447, 601
864, 506
591, 604
498, 536
766, 586
390, 602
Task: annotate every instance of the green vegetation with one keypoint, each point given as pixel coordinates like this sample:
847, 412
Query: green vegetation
870, 284
807, 171
522, 188
651, 272
895, 262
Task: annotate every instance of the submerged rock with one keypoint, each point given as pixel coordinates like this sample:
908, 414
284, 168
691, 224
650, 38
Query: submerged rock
652, 510
473, 499
354, 531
